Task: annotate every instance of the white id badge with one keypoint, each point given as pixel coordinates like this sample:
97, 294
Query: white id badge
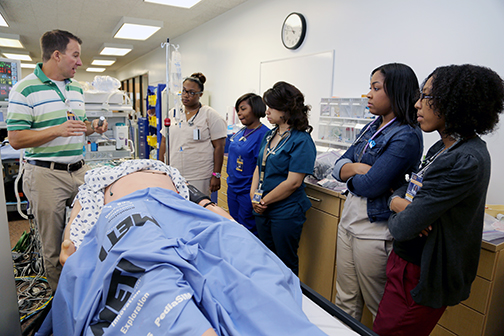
196, 134
415, 184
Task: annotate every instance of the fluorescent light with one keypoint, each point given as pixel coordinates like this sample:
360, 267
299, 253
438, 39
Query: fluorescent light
10, 41
103, 61
18, 55
136, 29
109, 49
95, 69
28, 65
3, 23
175, 3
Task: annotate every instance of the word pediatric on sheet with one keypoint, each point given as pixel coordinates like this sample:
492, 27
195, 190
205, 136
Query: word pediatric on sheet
116, 299
179, 299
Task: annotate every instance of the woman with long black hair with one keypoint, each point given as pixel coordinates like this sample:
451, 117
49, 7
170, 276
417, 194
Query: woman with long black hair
286, 155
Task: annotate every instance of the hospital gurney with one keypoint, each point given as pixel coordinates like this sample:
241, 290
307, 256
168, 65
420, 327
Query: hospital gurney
328, 317
168, 248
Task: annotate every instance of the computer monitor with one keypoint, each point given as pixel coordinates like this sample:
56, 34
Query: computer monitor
10, 74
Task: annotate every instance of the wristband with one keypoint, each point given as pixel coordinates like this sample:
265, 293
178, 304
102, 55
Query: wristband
218, 175
204, 206
195, 195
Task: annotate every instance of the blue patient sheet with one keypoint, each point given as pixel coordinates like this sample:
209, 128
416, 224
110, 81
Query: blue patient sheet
157, 264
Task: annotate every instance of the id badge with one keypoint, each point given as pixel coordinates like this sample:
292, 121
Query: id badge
71, 116
415, 184
257, 196
196, 134
239, 164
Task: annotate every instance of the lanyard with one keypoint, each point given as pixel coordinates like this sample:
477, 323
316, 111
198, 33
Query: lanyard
267, 152
429, 161
244, 137
371, 143
191, 121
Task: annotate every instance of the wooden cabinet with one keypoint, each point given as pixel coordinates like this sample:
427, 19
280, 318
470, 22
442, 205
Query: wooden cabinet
222, 194
482, 313
317, 247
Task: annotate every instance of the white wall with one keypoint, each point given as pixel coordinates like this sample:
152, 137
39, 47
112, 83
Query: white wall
364, 35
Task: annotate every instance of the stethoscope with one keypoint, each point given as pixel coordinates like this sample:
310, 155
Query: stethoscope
244, 137
282, 138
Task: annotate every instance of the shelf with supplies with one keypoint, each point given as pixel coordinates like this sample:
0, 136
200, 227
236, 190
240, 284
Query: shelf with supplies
116, 141
341, 119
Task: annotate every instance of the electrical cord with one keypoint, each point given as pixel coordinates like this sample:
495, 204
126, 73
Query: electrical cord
33, 290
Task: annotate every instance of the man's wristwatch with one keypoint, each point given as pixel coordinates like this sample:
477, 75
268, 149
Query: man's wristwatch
218, 175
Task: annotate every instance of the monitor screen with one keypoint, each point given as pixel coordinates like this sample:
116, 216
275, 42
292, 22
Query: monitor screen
10, 74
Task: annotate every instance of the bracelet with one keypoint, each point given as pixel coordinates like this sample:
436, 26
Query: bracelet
204, 206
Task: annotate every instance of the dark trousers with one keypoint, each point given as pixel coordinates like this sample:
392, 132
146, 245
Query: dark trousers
240, 208
398, 314
281, 235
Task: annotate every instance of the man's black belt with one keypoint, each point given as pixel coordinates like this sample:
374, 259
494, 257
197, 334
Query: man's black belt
56, 165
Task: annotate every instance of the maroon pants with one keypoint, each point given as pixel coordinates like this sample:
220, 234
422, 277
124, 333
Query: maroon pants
398, 314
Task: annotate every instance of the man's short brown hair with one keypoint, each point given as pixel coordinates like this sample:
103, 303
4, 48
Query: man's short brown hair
55, 40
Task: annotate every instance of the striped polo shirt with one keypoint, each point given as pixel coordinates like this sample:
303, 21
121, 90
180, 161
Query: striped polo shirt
36, 103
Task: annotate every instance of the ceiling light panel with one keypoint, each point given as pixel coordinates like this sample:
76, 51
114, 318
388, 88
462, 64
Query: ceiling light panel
109, 49
10, 41
90, 69
28, 65
136, 29
3, 23
103, 62
175, 3
17, 56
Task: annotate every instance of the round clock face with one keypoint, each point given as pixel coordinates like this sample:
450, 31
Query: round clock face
293, 30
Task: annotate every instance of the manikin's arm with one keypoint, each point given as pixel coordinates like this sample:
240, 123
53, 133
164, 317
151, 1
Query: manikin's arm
67, 246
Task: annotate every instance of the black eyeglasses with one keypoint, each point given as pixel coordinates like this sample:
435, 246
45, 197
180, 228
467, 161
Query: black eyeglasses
425, 96
192, 93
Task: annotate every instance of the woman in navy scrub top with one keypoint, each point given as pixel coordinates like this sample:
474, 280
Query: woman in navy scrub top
286, 155
242, 158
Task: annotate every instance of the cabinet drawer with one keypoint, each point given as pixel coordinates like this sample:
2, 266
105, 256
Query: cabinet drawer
324, 202
223, 204
480, 292
487, 264
440, 331
222, 195
317, 252
223, 183
462, 320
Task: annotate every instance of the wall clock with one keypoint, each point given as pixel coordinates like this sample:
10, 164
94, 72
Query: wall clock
293, 30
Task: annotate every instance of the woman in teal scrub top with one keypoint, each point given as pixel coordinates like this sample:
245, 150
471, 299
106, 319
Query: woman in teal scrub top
242, 158
286, 155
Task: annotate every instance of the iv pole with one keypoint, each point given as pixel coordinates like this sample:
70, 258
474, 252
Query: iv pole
167, 119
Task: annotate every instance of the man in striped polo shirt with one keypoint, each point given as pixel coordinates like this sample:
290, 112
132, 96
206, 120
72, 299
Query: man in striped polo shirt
46, 116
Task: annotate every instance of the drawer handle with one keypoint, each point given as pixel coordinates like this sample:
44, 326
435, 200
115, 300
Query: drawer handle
314, 199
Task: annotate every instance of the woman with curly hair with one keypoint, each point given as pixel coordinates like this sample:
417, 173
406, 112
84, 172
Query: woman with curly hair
386, 149
286, 155
438, 220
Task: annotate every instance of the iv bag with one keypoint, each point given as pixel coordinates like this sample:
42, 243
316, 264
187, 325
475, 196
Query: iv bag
175, 72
